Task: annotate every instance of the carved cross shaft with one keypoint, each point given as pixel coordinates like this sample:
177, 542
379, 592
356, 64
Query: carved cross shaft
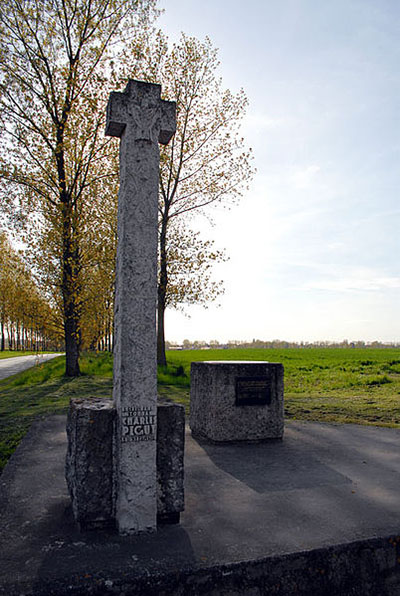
141, 119
140, 108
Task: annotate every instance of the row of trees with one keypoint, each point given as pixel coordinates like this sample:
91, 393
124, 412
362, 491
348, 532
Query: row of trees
59, 60
276, 344
27, 322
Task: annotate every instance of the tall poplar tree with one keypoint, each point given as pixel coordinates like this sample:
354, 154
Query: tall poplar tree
205, 164
26, 318
59, 59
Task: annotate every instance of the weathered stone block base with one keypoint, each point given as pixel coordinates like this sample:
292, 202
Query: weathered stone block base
236, 401
90, 462
170, 452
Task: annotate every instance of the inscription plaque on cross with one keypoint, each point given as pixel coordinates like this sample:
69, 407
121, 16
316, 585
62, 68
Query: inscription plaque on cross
141, 119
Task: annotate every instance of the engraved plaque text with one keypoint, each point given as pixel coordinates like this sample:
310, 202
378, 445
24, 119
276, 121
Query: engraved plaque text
253, 391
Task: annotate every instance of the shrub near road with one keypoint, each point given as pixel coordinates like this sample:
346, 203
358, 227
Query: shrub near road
361, 386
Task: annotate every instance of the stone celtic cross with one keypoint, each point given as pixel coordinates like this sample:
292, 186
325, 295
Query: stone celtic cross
142, 120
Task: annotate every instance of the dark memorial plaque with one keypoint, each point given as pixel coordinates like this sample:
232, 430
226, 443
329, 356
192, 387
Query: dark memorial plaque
253, 391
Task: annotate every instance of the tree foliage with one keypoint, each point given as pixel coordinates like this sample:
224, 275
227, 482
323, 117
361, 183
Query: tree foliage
26, 319
205, 164
190, 265
57, 66
59, 59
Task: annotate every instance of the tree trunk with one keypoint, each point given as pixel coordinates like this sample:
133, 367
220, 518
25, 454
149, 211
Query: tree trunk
3, 339
161, 357
71, 348
162, 292
109, 328
70, 253
71, 296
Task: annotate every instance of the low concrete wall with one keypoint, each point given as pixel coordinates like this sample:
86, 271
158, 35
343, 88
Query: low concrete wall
364, 568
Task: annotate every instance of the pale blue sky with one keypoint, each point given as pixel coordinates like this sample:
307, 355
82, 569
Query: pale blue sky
313, 245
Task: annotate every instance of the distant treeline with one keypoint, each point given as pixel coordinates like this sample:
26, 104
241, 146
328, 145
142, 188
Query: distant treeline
27, 320
277, 344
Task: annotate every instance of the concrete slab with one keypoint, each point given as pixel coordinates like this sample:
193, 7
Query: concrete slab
317, 513
12, 366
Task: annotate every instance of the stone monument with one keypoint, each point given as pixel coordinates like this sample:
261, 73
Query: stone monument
141, 119
233, 400
124, 463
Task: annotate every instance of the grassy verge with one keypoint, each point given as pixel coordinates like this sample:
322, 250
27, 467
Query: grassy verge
40, 391
14, 353
326, 385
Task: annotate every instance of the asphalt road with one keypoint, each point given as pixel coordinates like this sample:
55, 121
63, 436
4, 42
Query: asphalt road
12, 366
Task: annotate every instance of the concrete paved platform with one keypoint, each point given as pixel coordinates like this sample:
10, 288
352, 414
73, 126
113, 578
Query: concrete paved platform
318, 513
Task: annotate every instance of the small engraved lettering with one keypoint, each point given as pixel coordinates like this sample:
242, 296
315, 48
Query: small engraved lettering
138, 425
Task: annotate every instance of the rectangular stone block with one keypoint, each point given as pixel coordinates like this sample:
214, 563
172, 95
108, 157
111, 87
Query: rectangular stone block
236, 401
90, 462
170, 471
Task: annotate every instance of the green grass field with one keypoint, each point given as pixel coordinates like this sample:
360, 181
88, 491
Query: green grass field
330, 385
360, 386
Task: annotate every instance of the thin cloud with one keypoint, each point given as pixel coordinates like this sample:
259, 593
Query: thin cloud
258, 121
304, 178
356, 285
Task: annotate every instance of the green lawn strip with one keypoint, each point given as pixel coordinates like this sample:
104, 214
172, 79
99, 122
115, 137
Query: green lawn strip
325, 385
16, 353
179, 395
40, 391
371, 409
